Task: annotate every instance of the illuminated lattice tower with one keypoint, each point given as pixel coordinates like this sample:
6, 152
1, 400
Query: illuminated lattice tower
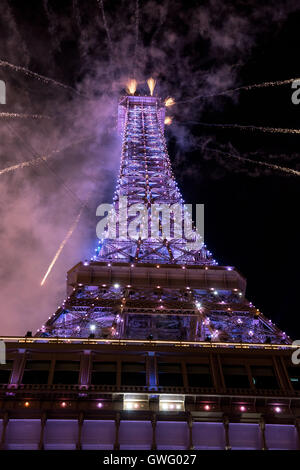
150, 287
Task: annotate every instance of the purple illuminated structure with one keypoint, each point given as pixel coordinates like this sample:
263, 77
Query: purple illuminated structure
155, 287
155, 346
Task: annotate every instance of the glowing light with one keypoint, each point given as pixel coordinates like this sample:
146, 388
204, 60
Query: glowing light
207, 407
39, 77
277, 409
131, 86
116, 285
92, 327
23, 116
151, 84
27, 404
63, 404
169, 102
61, 247
242, 408
99, 405
168, 120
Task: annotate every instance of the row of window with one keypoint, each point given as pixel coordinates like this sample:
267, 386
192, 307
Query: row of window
134, 373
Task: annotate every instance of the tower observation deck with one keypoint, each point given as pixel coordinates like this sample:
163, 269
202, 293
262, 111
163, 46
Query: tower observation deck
150, 285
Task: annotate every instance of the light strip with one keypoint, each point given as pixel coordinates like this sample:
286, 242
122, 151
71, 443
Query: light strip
205, 344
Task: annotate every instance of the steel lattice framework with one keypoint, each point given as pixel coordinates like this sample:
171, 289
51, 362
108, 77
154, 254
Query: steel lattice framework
155, 287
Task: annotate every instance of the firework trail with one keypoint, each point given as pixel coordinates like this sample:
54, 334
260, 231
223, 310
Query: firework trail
16, 33
151, 84
52, 25
100, 3
23, 116
23, 165
169, 102
42, 158
61, 247
270, 130
39, 77
131, 86
241, 88
77, 14
137, 21
257, 162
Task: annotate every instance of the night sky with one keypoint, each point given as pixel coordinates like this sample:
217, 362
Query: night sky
191, 48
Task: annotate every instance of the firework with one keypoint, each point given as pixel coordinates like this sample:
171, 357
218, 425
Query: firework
23, 165
42, 158
61, 247
137, 20
52, 26
258, 162
131, 86
151, 84
169, 102
39, 77
109, 42
241, 88
23, 116
271, 130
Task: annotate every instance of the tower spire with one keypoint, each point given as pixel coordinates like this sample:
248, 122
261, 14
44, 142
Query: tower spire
146, 182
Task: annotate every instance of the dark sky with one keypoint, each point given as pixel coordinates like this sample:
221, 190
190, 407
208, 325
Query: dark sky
192, 48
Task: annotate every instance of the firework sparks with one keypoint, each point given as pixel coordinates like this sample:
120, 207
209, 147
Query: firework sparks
241, 88
168, 120
169, 102
42, 158
270, 130
52, 25
39, 77
258, 162
131, 86
23, 165
109, 42
61, 247
23, 116
137, 20
151, 84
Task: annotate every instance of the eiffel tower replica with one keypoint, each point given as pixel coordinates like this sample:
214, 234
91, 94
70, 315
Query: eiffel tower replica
156, 345
155, 287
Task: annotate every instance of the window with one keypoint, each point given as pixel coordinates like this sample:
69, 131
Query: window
104, 373
264, 377
236, 376
133, 373
66, 372
294, 375
36, 372
170, 375
199, 375
5, 371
